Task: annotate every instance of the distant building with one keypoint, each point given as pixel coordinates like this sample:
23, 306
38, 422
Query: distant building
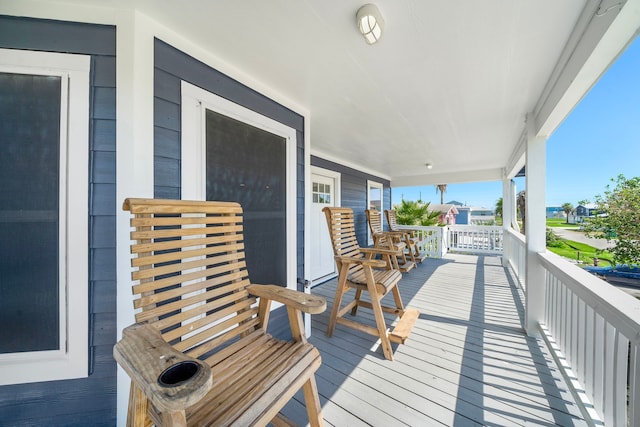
555, 212
581, 212
475, 215
448, 213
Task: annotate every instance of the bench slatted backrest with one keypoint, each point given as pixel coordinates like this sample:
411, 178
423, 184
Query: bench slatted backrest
341, 225
189, 272
374, 218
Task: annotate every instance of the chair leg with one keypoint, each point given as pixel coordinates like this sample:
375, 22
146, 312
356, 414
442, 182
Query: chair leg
354, 310
379, 316
314, 410
397, 297
337, 301
138, 407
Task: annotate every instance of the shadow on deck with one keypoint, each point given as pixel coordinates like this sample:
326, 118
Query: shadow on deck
467, 361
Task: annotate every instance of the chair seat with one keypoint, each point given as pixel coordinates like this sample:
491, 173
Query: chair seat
385, 280
250, 378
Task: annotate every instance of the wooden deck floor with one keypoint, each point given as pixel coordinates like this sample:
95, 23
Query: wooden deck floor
467, 361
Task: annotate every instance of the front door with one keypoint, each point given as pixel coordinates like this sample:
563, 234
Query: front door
323, 193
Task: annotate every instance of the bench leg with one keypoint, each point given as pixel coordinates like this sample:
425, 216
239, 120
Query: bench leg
314, 410
138, 407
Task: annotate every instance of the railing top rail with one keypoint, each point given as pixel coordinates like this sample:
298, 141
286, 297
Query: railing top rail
617, 307
516, 235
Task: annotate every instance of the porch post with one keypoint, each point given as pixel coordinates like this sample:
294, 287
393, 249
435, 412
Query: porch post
535, 226
507, 208
514, 209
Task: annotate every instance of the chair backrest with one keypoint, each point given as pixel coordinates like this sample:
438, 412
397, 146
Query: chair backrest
374, 219
341, 225
391, 219
190, 274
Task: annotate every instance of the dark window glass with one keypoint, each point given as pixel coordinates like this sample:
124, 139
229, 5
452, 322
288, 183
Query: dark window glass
29, 173
248, 165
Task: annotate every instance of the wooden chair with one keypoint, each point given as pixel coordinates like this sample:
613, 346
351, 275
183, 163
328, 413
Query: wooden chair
411, 237
391, 240
200, 353
358, 270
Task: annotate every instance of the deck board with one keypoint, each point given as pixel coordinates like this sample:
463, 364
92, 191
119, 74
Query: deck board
467, 361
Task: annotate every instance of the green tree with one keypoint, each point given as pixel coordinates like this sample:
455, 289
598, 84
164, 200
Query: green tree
567, 208
618, 219
410, 212
441, 188
498, 209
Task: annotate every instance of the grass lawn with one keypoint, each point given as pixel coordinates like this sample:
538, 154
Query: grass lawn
581, 252
560, 222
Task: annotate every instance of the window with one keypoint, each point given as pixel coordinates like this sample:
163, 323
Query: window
322, 193
44, 105
374, 200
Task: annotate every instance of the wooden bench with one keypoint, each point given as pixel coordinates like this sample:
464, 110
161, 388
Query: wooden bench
411, 237
392, 240
199, 353
358, 270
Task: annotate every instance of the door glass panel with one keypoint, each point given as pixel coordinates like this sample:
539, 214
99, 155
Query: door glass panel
29, 212
246, 164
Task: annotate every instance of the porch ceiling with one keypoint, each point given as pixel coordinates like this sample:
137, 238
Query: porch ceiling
449, 83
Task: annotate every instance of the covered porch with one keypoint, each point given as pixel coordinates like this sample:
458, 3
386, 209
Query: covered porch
468, 360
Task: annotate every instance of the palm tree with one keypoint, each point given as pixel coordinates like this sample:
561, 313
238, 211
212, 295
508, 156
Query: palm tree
567, 208
498, 209
442, 188
415, 213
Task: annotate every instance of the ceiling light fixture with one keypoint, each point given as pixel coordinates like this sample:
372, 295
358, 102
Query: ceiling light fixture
429, 166
370, 23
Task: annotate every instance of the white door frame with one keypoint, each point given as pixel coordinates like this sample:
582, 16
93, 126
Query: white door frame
195, 101
337, 200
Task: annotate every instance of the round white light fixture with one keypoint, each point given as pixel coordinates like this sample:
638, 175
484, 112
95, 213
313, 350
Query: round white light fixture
429, 166
370, 23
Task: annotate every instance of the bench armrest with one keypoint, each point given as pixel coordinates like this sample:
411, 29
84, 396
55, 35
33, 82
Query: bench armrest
366, 261
312, 304
145, 355
379, 251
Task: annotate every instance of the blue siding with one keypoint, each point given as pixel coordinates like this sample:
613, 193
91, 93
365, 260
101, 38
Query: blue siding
89, 401
171, 67
353, 192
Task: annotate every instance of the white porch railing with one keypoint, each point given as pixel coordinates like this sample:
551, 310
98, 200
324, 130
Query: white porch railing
593, 331
475, 239
432, 240
515, 252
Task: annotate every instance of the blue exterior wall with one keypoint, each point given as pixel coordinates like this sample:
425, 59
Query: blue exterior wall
171, 66
353, 193
92, 400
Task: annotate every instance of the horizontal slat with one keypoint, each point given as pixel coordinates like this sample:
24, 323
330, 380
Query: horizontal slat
165, 309
166, 233
191, 253
146, 206
174, 280
233, 280
215, 330
241, 330
184, 220
187, 265
184, 243
239, 304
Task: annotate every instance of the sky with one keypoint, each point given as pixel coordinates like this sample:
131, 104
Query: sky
599, 140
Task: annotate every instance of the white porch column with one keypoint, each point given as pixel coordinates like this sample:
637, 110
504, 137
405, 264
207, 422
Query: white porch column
514, 208
535, 226
508, 205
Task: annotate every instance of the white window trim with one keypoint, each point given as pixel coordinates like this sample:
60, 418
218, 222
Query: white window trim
380, 186
71, 360
194, 159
